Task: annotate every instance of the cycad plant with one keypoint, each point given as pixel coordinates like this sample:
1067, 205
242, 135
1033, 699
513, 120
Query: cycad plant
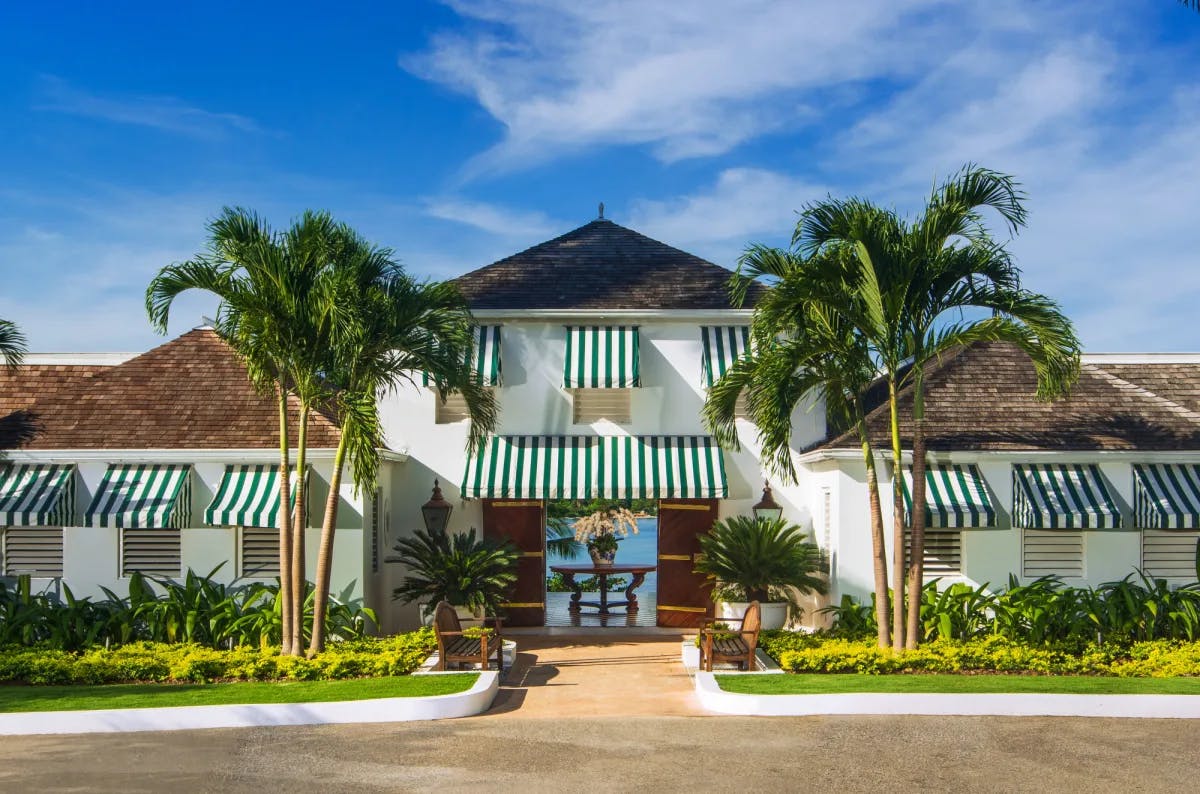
464, 569
761, 559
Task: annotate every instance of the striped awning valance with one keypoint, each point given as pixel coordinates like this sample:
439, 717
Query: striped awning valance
1052, 496
248, 497
486, 361
955, 496
142, 496
594, 467
601, 357
37, 495
1166, 496
723, 346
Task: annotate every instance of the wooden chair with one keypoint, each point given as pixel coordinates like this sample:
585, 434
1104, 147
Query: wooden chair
731, 645
454, 647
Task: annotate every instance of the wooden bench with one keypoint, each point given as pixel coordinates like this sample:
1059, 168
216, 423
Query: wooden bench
454, 647
731, 645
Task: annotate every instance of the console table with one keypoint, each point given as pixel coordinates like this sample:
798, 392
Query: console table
569, 572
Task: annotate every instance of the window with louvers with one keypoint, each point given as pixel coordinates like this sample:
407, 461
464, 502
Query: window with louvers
943, 552
150, 551
592, 405
454, 409
1169, 554
260, 552
37, 551
1051, 552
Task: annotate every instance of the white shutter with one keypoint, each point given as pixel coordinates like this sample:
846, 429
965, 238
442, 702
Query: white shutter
454, 409
943, 552
591, 405
1169, 554
37, 551
153, 552
260, 552
1051, 552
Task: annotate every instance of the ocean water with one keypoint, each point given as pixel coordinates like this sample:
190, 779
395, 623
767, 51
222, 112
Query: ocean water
641, 549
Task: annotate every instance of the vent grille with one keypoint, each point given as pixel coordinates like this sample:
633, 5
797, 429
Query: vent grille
453, 410
1051, 552
37, 551
592, 405
150, 551
260, 552
1169, 554
943, 552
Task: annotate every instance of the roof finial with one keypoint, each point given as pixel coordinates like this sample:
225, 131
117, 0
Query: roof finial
601, 210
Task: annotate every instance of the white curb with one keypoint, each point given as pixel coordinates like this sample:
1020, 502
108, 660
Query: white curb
475, 700
713, 698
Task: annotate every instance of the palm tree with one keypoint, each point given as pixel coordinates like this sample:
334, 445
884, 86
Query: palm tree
267, 286
803, 347
12, 344
912, 277
386, 330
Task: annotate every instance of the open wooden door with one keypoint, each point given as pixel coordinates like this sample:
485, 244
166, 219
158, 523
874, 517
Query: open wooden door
523, 524
683, 596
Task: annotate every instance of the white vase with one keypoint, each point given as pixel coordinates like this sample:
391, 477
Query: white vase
774, 614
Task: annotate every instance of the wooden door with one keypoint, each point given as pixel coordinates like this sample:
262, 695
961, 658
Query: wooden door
523, 524
683, 596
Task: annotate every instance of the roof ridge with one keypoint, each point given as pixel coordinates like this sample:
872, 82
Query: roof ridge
1142, 392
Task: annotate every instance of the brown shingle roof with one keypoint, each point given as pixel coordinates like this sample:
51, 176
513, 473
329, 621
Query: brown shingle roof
190, 393
21, 387
599, 266
984, 397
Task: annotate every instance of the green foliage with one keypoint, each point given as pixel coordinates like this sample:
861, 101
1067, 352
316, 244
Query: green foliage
556, 584
464, 569
1045, 612
161, 662
813, 653
196, 610
567, 508
759, 559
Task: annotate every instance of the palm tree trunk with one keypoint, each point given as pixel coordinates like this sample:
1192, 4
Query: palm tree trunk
878, 549
285, 528
916, 569
299, 577
898, 615
325, 553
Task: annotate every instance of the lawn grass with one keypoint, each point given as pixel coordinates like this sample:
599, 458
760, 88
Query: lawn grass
831, 683
129, 696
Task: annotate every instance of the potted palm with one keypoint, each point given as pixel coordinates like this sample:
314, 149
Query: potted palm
474, 574
760, 559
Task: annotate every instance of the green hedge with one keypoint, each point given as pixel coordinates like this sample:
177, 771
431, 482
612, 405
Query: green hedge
811, 653
157, 662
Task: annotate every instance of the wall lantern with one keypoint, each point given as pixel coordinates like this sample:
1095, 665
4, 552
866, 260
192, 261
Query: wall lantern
436, 511
767, 509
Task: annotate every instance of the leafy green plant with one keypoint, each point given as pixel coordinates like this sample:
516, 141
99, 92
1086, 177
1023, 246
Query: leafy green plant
555, 583
463, 569
760, 559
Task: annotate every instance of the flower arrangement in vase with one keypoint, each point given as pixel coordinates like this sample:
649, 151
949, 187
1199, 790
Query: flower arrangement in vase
602, 530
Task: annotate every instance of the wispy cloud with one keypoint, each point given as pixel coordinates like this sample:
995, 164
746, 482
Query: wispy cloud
492, 218
165, 113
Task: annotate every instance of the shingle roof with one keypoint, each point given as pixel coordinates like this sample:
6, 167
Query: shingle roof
984, 397
190, 393
600, 265
20, 387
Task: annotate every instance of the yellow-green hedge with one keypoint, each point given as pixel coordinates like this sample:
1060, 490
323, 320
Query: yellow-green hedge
147, 661
800, 653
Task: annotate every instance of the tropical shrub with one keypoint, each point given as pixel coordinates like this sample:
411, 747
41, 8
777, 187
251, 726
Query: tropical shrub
555, 583
188, 662
466, 570
753, 559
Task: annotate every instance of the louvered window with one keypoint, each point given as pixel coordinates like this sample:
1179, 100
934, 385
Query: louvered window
150, 551
453, 410
260, 552
37, 551
592, 405
1169, 554
943, 552
1052, 552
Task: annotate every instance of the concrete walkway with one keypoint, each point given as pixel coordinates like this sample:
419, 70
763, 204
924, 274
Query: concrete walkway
597, 675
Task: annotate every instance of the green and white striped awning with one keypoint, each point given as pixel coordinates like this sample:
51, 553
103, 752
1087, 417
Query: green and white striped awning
723, 346
596, 467
601, 357
1052, 496
955, 496
37, 495
1166, 496
486, 361
248, 497
142, 496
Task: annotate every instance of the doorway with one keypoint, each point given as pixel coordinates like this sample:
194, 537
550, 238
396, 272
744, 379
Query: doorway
684, 597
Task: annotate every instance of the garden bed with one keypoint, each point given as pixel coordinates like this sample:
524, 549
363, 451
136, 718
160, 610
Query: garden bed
829, 683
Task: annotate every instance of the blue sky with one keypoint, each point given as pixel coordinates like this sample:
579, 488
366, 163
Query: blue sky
460, 132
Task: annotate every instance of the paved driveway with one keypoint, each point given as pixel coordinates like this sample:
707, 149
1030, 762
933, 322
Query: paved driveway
611, 754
